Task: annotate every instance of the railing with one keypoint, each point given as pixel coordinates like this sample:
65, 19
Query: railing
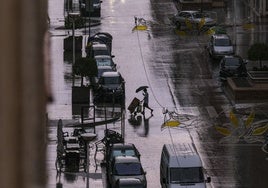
258, 76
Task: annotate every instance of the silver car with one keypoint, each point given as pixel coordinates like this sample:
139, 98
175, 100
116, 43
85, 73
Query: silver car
126, 167
194, 17
220, 45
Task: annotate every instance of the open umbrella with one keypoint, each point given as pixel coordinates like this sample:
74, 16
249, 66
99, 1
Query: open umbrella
141, 88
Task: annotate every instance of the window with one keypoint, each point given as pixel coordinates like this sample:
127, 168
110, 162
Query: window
128, 169
186, 175
127, 152
234, 62
222, 42
111, 80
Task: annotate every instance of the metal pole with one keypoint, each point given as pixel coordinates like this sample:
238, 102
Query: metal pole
234, 23
87, 163
89, 17
73, 47
73, 16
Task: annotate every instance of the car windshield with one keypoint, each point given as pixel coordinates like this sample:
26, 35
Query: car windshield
131, 186
199, 15
223, 42
128, 169
127, 152
234, 62
111, 80
101, 52
104, 62
186, 175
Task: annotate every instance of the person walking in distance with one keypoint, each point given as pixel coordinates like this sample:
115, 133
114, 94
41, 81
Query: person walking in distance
146, 101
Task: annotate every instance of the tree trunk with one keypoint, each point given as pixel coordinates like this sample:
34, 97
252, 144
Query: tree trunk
260, 64
82, 80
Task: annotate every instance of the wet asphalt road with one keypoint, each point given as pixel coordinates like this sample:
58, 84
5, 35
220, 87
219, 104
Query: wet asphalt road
181, 78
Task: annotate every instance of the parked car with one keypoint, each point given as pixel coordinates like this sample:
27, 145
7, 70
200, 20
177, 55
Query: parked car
99, 49
101, 70
220, 45
126, 167
121, 149
181, 166
110, 88
128, 183
100, 37
92, 9
194, 17
232, 66
105, 60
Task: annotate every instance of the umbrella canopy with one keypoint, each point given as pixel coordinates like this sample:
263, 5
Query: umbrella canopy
141, 88
217, 30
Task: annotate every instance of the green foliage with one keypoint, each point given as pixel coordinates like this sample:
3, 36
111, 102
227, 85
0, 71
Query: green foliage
85, 67
79, 22
258, 52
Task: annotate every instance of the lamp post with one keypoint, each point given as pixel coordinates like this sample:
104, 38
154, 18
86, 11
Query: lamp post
73, 16
234, 22
88, 137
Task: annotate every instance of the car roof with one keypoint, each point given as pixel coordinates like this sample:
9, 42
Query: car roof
189, 11
126, 159
102, 57
123, 146
221, 36
183, 155
232, 56
99, 45
105, 67
111, 74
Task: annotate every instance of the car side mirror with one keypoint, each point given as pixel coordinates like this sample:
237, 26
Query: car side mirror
245, 61
112, 56
208, 179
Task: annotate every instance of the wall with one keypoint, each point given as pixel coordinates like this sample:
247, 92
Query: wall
23, 95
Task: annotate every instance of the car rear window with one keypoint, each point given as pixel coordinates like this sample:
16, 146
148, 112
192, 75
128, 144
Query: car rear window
127, 152
234, 62
128, 169
104, 62
111, 80
101, 52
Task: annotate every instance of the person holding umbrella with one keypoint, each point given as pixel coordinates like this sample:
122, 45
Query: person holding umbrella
146, 101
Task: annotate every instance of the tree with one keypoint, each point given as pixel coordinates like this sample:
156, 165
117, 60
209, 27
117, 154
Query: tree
258, 52
85, 67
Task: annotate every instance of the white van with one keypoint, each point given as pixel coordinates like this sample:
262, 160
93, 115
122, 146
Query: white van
181, 166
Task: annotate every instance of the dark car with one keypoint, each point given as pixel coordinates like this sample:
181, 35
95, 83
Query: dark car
92, 9
99, 38
110, 88
126, 167
232, 66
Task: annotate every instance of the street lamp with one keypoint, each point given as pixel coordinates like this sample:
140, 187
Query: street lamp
88, 137
234, 22
73, 16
